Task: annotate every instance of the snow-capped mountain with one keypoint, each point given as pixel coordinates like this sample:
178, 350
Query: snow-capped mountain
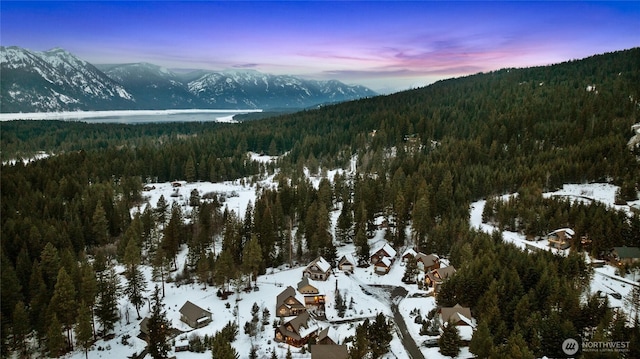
152, 86
56, 80
258, 90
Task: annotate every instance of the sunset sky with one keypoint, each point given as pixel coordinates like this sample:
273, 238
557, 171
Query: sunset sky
387, 46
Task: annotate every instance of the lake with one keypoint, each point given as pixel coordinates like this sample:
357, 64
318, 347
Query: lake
132, 116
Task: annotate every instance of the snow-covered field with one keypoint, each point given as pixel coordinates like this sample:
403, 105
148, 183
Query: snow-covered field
78, 115
366, 303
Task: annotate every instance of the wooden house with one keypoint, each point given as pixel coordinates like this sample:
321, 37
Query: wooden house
560, 238
347, 263
383, 266
313, 299
435, 277
427, 262
385, 251
194, 316
287, 304
625, 255
328, 336
318, 269
297, 331
329, 351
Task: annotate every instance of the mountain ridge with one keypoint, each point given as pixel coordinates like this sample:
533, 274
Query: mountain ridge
57, 80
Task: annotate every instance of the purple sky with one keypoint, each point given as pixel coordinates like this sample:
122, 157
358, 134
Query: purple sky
387, 46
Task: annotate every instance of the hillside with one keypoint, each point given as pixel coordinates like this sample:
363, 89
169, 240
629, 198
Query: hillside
402, 170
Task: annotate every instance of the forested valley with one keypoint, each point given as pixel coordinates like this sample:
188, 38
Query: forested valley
422, 157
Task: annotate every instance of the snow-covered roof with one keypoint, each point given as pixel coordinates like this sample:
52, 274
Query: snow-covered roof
387, 249
386, 261
568, 232
321, 263
409, 252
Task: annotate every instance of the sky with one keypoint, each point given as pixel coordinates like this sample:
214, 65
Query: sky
386, 46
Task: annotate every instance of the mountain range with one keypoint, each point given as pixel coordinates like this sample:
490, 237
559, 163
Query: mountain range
56, 80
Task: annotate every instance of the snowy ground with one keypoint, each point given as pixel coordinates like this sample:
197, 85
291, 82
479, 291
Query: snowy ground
77, 115
365, 303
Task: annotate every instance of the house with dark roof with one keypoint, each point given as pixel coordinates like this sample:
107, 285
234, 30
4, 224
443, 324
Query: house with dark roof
435, 277
460, 317
328, 336
297, 331
318, 269
427, 262
329, 351
457, 315
287, 304
626, 255
194, 316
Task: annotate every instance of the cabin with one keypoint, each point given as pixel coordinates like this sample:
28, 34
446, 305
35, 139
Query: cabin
383, 266
329, 351
305, 287
287, 304
144, 329
312, 298
385, 251
328, 336
182, 345
347, 263
460, 317
625, 255
435, 277
427, 262
560, 238
318, 269
297, 331
409, 253
194, 316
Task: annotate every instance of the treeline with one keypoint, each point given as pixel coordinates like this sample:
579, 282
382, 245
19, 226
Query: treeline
422, 157
527, 304
600, 226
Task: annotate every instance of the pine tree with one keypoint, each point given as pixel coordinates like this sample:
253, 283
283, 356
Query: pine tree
253, 352
100, 225
411, 270
252, 258
55, 339
288, 355
273, 354
449, 341
107, 300
83, 329
481, 343
136, 286
379, 336
158, 327
63, 302
360, 346
21, 329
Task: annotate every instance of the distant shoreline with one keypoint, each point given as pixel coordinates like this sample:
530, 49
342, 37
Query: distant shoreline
75, 115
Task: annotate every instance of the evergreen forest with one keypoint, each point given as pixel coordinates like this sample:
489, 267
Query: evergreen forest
422, 157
